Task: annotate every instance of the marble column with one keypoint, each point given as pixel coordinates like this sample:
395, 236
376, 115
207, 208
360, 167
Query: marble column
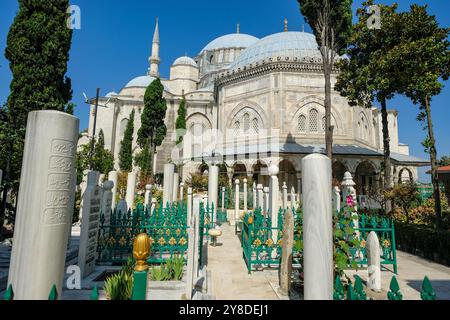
236, 201
182, 191
336, 199
266, 200
285, 196
317, 228
169, 170
260, 192
213, 189
286, 255
293, 199
274, 206
255, 196
245, 195
198, 243
45, 205
107, 200
175, 186
131, 189
113, 176
373, 262
148, 196
189, 208
223, 199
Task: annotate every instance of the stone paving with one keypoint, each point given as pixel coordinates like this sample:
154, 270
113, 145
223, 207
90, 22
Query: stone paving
411, 271
230, 279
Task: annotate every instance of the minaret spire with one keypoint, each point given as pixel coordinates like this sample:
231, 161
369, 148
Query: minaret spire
285, 25
238, 28
154, 59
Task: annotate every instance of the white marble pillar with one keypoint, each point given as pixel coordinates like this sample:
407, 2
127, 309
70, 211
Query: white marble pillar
107, 200
131, 189
190, 273
294, 199
245, 195
266, 200
45, 205
348, 190
236, 201
260, 192
83, 187
182, 191
189, 208
373, 262
213, 189
274, 206
317, 228
175, 186
92, 200
169, 170
285, 196
148, 196
255, 196
113, 176
198, 243
336, 199
223, 198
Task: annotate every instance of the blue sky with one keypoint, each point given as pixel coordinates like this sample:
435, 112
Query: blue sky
114, 44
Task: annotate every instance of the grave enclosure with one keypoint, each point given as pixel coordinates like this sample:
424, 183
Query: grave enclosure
268, 220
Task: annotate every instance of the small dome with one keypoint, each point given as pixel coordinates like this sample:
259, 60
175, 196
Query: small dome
234, 40
143, 81
185, 61
112, 94
292, 45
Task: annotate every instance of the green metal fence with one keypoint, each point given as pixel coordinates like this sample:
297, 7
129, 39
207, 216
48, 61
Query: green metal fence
167, 229
261, 248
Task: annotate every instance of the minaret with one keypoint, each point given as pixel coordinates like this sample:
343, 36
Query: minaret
285, 25
154, 59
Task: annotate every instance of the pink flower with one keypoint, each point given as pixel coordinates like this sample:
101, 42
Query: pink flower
350, 201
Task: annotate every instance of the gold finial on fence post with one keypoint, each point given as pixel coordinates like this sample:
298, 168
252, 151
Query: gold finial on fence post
141, 251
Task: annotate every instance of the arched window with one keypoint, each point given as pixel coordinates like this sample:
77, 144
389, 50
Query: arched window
313, 120
255, 126
211, 59
324, 124
302, 123
237, 127
246, 123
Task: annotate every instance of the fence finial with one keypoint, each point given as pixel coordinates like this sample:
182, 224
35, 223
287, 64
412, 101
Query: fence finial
394, 293
141, 251
427, 290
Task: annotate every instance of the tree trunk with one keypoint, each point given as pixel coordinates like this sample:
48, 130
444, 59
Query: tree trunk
386, 145
434, 166
387, 151
328, 127
5, 189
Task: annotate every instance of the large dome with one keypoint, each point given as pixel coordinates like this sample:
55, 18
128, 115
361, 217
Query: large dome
234, 40
143, 81
285, 45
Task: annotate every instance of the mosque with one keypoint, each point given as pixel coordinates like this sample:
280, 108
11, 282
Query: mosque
264, 99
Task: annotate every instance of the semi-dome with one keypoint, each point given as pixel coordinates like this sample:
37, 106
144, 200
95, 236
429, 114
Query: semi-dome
143, 81
185, 61
292, 45
234, 40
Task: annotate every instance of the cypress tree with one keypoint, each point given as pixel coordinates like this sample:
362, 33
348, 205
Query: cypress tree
180, 124
126, 147
38, 45
153, 129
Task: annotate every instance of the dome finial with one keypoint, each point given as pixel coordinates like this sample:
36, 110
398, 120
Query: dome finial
238, 28
286, 25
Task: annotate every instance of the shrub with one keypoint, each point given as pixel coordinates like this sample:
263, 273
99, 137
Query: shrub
424, 241
120, 285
